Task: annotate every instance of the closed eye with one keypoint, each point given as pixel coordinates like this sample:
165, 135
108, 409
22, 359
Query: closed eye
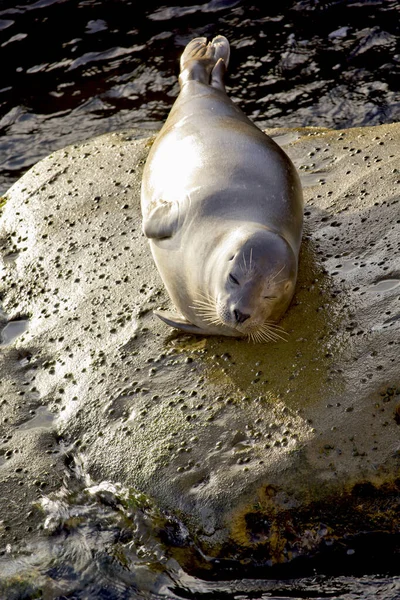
233, 279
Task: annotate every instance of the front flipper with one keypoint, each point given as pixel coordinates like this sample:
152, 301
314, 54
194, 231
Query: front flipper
179, 322
162, 220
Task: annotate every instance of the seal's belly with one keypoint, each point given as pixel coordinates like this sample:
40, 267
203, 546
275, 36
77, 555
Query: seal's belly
216, 154
234, 173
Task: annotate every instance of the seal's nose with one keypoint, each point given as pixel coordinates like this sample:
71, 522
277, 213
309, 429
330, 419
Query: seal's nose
240, 317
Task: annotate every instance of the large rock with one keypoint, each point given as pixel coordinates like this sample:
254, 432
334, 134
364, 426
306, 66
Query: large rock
264, 452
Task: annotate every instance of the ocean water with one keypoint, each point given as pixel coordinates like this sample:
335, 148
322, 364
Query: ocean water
73, 69
104, 542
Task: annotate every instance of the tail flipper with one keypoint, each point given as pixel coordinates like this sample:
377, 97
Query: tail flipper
204, 62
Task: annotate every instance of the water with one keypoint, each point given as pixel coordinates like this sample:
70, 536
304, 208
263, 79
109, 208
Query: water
72, 69
103, 541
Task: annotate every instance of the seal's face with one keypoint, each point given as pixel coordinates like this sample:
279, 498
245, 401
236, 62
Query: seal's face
254, 284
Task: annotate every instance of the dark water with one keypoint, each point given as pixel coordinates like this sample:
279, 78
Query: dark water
72, 69
105, 542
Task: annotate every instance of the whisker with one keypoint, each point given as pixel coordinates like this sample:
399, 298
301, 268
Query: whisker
207, 302
204, 307
265, 336
203, 297
211, 318
277, 327
215, 321
204, 311
276, 274
280, 281
273, 333
206, 316
267, 332
202, 304
251, 337
258, 337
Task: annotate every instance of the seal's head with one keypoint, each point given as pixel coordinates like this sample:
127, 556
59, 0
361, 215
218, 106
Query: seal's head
253, 282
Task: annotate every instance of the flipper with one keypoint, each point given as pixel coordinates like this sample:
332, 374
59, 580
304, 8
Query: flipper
179, 322
204, 62
162, 220
217, 75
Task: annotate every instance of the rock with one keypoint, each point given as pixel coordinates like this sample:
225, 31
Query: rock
264, 452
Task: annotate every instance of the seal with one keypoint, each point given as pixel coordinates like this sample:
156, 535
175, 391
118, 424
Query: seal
222, 207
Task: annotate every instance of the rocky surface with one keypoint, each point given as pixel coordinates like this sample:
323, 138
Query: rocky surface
264, 452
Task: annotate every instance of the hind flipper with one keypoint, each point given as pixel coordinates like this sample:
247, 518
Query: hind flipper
199, 60
217, 75
222, 49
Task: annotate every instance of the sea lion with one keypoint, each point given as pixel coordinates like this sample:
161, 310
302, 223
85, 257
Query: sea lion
222, 207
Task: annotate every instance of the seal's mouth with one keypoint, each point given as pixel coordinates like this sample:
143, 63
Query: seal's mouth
256, 327
217, 313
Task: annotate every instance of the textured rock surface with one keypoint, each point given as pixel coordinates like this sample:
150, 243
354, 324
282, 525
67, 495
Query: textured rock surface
263, 451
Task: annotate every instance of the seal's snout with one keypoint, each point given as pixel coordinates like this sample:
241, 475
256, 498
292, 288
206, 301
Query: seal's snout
240, 317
